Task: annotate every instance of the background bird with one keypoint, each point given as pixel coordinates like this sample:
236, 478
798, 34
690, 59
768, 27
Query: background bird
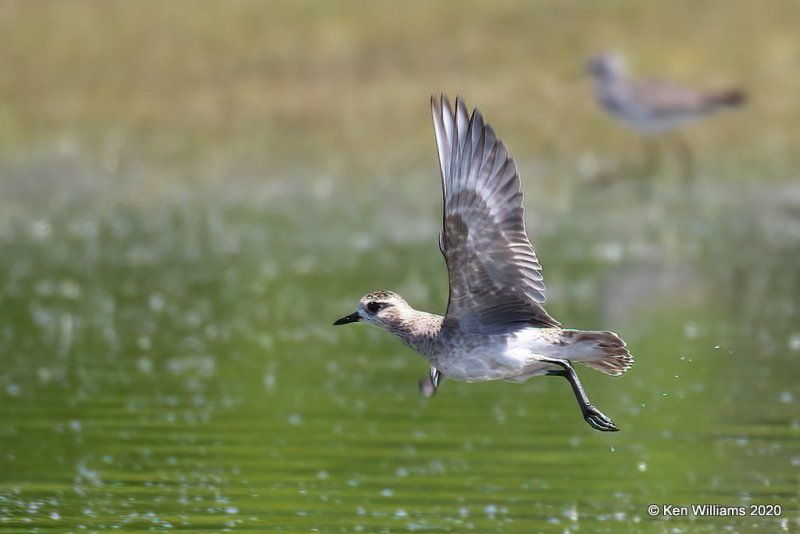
654, 107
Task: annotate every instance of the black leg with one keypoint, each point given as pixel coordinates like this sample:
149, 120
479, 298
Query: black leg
596, 419
428, 387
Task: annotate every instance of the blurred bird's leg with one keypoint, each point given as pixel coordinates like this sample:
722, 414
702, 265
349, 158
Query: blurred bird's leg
685, 157
596, 419
429, 386
651, 155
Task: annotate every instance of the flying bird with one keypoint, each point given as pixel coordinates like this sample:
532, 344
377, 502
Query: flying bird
495, 327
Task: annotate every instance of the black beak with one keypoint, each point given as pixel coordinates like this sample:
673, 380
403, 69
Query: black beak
352, 318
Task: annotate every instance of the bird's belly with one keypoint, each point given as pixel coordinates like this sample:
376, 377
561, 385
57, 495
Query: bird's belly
480, 364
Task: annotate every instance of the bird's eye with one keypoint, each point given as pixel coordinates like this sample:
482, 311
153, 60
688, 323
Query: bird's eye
373, 306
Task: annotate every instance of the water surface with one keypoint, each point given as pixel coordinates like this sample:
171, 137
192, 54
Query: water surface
172, 364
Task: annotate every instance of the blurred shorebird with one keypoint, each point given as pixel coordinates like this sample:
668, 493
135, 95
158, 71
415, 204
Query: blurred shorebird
654, 107
495, 327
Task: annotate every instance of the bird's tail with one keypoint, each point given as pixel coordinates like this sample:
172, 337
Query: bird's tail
602, 351
725, 98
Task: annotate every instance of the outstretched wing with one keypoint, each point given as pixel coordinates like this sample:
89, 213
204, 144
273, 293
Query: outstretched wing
495, 278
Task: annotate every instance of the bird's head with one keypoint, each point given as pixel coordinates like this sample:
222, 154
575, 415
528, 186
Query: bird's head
380, 308
606, 66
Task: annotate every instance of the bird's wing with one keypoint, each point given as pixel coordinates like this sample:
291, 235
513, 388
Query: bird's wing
495, 278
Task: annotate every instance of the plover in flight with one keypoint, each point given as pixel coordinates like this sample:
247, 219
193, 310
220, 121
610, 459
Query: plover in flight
655, 107
495, 327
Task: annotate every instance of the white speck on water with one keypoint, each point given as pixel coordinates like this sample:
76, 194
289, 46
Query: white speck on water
156, 302
361, 511
716, 347
610, 252
794, 342
677, 376
642, 467
436, 466
386, 492
664, 394
401, 513
75, 425
144, 343
571, 513
463, 512
55, 516
41, 230
69, 289
270, 381
690, 330
200, 366
145, 365
787, 397
401, 472
491, 511
362, 241
796, 460
13, 390
231, 510
612, 449
322, 475
295, 419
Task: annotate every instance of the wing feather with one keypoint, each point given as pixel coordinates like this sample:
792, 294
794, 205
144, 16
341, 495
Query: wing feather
495, 276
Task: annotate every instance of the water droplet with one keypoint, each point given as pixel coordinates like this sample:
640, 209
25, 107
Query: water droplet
642, 466
295, 419
386, 492
612, 448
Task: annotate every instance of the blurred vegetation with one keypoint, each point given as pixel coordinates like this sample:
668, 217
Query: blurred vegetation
344, 86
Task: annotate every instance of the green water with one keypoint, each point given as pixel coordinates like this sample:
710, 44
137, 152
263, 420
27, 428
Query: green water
169, 363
